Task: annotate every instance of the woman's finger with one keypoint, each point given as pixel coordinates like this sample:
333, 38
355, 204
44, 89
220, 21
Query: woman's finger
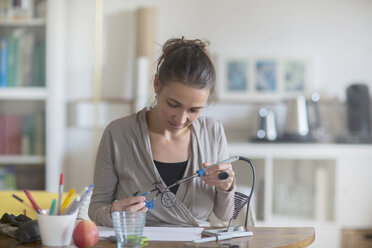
136, 207
214, 174
213, 180
128, 203
218, 182
218, 168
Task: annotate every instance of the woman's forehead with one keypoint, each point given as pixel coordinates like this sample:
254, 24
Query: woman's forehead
185, 94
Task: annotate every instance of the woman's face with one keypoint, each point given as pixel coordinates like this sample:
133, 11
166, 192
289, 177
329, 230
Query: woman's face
179, 105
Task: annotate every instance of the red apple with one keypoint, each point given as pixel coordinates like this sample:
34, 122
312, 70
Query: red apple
85, 234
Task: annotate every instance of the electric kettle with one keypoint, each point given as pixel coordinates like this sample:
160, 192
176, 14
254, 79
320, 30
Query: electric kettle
298, 126
267, 125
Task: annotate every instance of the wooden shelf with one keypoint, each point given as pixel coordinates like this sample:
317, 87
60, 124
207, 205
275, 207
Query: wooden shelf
23, 22
22, 159
23, 93
299, 150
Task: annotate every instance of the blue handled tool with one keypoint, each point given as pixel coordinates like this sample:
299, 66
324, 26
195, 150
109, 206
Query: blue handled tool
201, 172
149, 204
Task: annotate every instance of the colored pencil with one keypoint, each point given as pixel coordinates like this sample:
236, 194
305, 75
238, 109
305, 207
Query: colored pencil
60, 192
34, 204
21, 200
67, 200
52, 207
72, 206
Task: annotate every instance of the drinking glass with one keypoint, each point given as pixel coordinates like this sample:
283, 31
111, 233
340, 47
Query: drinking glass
128, 227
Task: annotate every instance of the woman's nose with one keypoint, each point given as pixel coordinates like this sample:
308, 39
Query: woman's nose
181, 117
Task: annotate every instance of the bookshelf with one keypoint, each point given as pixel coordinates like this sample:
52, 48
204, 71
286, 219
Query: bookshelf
31, 95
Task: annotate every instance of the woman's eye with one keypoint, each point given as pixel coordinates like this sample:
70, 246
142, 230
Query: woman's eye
194, 110
172, 105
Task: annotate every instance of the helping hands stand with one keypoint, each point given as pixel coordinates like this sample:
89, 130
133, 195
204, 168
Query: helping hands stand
240, 200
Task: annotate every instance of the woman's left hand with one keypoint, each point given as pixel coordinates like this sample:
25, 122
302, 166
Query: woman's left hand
211, 175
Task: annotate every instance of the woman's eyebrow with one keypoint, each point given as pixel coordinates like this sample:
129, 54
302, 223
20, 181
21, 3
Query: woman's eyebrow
177, 102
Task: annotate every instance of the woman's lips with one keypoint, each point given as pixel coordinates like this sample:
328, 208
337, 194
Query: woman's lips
175, 126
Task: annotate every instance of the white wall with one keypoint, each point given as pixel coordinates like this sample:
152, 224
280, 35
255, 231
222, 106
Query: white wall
336, 34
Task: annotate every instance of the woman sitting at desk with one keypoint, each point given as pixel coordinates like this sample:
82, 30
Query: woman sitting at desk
165, 142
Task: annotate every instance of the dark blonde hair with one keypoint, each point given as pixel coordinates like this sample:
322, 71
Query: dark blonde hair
188, 62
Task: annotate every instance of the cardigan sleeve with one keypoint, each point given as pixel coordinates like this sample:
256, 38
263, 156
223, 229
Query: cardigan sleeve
224, 204
105, 182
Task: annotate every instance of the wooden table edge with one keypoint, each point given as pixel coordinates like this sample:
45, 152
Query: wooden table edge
302, 243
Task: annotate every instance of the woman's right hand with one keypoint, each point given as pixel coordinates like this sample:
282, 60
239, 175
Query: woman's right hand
131, 204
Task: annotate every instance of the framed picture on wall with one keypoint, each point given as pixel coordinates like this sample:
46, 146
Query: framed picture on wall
234, 79
237, 76
266, 75
295, 74
262, 78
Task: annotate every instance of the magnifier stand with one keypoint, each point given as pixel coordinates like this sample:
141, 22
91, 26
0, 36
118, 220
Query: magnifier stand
240, 200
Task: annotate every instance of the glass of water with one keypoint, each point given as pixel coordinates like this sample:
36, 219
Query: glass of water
128, 227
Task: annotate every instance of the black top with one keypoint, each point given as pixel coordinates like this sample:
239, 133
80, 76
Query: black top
171, 172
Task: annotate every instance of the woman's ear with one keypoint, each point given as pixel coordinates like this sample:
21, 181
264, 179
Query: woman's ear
156, 84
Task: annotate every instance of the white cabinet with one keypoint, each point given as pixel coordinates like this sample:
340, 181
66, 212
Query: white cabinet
355, 190
327, 186
31, 97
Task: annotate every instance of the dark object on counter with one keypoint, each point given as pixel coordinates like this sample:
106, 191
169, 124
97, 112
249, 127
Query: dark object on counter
267, 125
13, 220
358, 113
28, 232
24, 229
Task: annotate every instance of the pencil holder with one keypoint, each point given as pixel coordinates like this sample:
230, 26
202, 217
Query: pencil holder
56, 230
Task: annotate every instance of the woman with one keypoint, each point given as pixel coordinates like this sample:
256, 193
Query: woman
164, 143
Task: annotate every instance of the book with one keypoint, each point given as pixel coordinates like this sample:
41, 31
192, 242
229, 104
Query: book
10, 177
22, 134
39, 64
3, 62
21, 58
26, 135
28, 66
13, 134
39, 133
11, 60
30, 177
2, 178
17, 35
31, 132
2, 134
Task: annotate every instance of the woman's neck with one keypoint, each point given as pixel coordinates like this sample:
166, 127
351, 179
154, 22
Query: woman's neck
155, 127
168, 146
